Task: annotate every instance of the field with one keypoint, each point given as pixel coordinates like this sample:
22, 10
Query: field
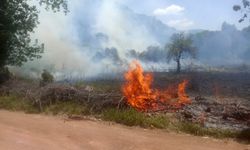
220, 105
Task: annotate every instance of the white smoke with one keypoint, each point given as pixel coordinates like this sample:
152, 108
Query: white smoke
76, 44
122, 30
70, 41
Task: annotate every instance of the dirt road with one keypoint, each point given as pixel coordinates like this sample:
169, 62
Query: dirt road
19, 131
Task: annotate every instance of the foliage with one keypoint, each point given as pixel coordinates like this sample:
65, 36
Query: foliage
244, 8
5, 74
47, 77
151, 54
55, 5
180, 46
18, 20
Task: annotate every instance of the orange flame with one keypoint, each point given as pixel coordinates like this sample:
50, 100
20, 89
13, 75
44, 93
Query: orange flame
140, 95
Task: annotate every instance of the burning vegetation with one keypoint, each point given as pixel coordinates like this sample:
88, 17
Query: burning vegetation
140, 95
219, 108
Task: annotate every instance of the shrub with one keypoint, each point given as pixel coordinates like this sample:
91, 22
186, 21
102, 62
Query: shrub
5, 75
47, 77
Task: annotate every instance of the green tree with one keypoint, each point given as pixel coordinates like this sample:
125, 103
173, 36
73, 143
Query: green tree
244, 9
18, 19
47, 78
181, 46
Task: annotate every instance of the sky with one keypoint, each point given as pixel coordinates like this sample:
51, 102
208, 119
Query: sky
189, 14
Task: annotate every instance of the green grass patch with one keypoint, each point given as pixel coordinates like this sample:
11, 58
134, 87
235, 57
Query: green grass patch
198, 130
13, 103
68, 107
195, 129
131, 117
17, 104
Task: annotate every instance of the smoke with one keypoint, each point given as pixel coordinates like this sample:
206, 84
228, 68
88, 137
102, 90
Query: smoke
225, 47
100, 37
124, 32
93, 28
62, 55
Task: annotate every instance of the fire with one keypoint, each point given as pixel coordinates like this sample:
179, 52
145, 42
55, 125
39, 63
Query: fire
140, 95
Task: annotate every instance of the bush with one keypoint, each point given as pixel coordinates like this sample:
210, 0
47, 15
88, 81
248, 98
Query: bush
5, 75
46, 78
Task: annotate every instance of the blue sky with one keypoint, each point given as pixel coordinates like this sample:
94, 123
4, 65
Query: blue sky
190, 14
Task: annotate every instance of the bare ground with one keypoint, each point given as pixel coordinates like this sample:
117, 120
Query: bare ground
19, 131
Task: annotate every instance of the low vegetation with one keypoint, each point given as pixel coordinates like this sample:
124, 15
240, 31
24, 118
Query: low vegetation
68, 108
198, 130
5, 74
126, 116
131, 117
17, 104
102, 99
47, 78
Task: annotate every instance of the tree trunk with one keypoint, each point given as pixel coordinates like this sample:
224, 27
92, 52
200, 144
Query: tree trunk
178, 68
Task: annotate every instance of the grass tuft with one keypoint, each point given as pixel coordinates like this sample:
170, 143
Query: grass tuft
198, 130
68, 108
17, 104
131, 117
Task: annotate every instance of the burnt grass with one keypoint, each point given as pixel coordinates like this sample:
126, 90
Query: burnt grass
220, 102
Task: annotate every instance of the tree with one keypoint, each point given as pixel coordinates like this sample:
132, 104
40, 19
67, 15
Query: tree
181, 46
244, 8
47, 78
18, 19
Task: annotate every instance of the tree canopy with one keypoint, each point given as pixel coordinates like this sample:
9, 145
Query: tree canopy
18, 19
244, 8
180, 46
